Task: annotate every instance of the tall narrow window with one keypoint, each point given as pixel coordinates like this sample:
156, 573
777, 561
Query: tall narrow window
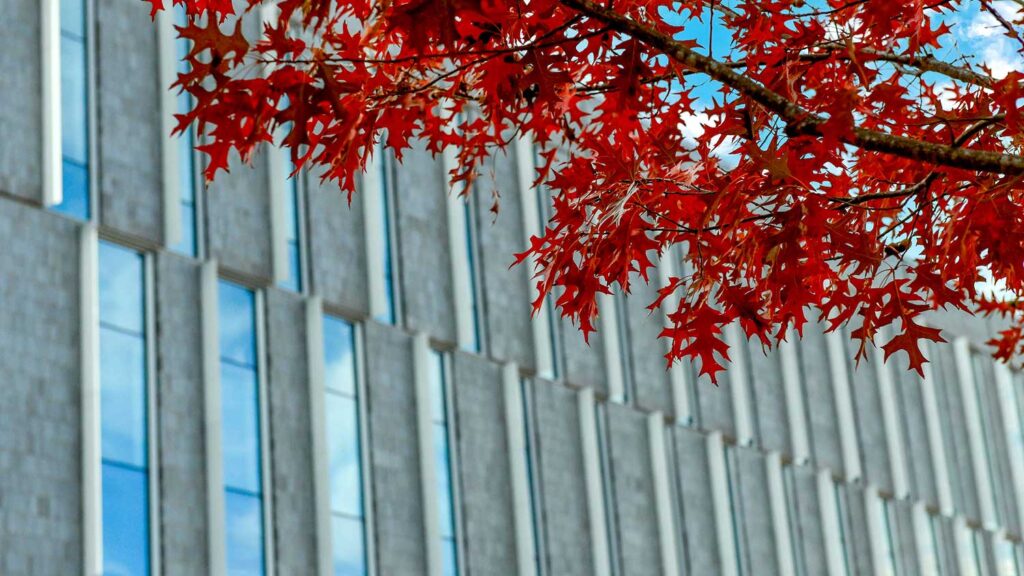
536, 204
793, 517
344, 453
74, 105
293, 224
472, 281
532, 477
982, 380
734, 512
443, 464
188, 179
608, 486
123, 411
240, 432
381, 245
892, 564
843, 521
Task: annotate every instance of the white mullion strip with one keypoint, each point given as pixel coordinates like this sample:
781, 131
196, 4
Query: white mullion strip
677, 376
318, 428
92, 472
934, 425
724, 529
609, 321
834, 555
890, 421
964, 547
152, 416
457, 239
212, 418
372, 189
975, 434
53, 184
791, 381
515, 425
369, 529
1014, 432
662, 495
170, 155
532, 226
594, 483
780, 514
877, 534
844, 406
266, 470
428, 471
739, 384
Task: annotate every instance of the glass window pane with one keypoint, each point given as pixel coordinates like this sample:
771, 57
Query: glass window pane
243, 517
123, 397
437, 401
74, 119
76, 190
291, 208
240, 428
385, 241
186, 160
343, 449
187, 244
349, 549
294, 280
72, 17
122, 301
444, 481
449, 558
237, 324
125, 521
339, 360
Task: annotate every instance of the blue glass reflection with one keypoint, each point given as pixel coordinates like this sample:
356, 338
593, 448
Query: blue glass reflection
74, 110
442, 464
348, 546
243, 514
339, 362
474, 344
438, 410
389, 314
449, 557
240, 441
122, 302
76, 190
343, 452
125, 521
72, 18
237, 324
123, 397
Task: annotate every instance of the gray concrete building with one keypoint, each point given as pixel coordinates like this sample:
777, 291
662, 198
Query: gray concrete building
256, 378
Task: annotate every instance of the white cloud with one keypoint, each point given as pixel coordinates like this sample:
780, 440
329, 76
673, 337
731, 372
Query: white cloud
985, 35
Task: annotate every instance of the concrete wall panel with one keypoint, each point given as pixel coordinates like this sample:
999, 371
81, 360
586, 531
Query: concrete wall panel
180, 400
633, 486
561, 479
40, 423
337, 246
822, 421
128, 109
291, 449
394, 452
490, 546
21, 172
698, 522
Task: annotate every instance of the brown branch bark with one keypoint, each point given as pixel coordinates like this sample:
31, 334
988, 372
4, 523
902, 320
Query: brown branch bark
800, 121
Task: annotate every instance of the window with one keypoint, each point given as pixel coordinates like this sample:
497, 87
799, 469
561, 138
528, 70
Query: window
188, 243
927, 543
124, 411
472, 284
734, 513
981, 379
536, 203
293, 224
240, 432
793, 515
344, 454
608, 488
532, 477
74, 106
445, 487
381, 239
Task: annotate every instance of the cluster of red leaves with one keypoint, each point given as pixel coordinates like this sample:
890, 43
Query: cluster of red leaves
841, 168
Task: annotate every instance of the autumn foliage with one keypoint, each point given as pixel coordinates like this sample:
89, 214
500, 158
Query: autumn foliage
830, 160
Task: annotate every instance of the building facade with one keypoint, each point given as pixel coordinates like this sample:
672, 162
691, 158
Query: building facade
257, 378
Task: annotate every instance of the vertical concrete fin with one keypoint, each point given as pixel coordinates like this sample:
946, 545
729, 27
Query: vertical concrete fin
662, 495
92, 475
428, 472
594, 483
212, 417
170, 152
53, 185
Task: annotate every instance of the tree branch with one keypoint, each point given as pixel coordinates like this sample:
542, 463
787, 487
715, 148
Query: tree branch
801, 121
